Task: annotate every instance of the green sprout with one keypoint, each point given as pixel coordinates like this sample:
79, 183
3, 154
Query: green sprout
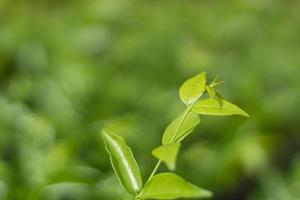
168, 185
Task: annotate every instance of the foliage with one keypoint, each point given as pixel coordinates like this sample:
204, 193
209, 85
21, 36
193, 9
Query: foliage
69, 68
169, 185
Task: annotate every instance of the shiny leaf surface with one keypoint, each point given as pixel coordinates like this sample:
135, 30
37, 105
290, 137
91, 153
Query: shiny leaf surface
123, 162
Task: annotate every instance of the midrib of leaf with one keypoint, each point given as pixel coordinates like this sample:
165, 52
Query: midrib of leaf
187, 111
130, 172
222, 108
207, 106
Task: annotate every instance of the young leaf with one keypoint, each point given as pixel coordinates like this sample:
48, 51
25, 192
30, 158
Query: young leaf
215, 82
193, 88
123, 162
211, 91
180, 127
212, 107
168, 154
214, 95
171, 186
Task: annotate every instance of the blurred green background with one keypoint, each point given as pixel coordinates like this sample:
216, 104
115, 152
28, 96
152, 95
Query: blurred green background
68, 68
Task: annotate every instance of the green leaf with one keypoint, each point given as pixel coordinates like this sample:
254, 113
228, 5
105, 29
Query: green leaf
123, 162
211, 92
212, 107
168, 154
180, 127
214, 95
171, 186
193, 88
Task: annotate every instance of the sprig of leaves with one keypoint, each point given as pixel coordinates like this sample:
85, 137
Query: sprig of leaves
170, 185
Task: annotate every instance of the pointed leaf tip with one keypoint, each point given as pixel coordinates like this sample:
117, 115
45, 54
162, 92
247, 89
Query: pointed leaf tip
213, 107
168, 154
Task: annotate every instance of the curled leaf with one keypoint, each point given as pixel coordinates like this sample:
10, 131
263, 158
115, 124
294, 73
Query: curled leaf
123, 162
215, 95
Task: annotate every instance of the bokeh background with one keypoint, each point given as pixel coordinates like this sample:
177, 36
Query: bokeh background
69, 68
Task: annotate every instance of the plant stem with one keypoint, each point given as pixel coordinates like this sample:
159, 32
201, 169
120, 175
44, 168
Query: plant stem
155, 169
187, 111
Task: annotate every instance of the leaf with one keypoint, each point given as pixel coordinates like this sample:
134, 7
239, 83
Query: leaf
214, 95
211, 91
180, 127
212, 107
123, 162
193, 88
171, 186
168, 154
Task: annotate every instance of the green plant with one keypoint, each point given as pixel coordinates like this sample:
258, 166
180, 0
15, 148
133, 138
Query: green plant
170, 185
